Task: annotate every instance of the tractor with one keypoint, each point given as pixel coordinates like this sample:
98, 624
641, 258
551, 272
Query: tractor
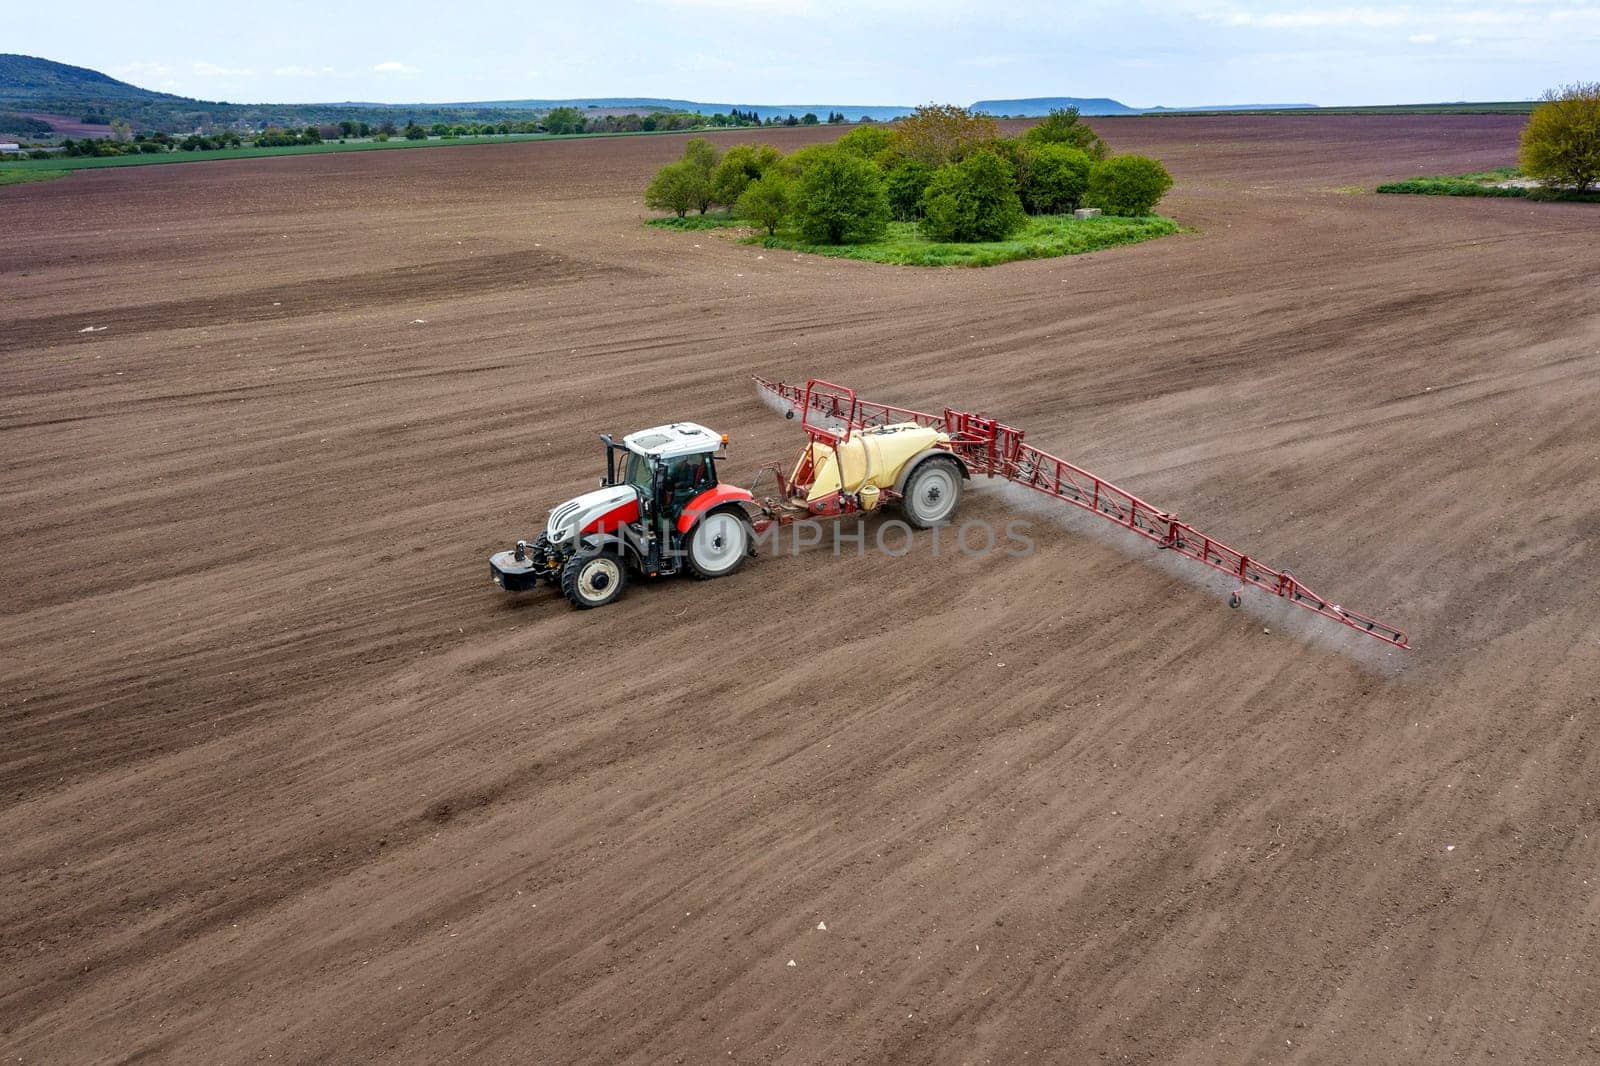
661, 509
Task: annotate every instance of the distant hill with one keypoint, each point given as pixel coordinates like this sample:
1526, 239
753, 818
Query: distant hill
1039, 106
29, 84
1043, 105
853, 112
25, 79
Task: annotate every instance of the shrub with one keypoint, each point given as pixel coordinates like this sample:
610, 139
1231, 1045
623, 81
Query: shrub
937, 134
905, 185
797, 162
700, 157
742, 164
1057, 179
840, 199
415, 132
1561, 142
1018, 155
1061, 126
564, 120
1128, 185
767, 201
867, 141
676, 188
974, 200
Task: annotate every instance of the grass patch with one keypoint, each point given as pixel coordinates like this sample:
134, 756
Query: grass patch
695, 223
1482, 183
1044, 237
18, 175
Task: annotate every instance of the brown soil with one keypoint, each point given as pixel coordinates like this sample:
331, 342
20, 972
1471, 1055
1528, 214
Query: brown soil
68, 125
282, 776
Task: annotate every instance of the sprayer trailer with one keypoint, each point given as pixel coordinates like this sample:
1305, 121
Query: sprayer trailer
662, 510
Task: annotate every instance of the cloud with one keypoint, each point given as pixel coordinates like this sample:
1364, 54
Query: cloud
1423, 38
304, 72
211, 70
394, 66
1307, 18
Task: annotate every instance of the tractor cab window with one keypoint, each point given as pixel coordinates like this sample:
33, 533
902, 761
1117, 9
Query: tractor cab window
636, 471
684, 478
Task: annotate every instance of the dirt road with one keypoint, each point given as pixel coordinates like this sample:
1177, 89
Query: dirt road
282, 776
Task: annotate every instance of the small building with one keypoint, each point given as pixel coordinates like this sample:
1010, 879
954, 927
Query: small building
7, 146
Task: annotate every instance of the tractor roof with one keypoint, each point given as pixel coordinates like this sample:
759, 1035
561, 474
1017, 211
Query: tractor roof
669, 442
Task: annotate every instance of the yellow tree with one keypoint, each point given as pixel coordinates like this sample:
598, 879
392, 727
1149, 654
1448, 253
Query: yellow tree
936, 134
1561, 142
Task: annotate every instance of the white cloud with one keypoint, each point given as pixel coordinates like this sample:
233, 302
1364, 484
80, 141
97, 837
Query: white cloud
394, 66
304, 72
1308, 18
211, 70
1423, 38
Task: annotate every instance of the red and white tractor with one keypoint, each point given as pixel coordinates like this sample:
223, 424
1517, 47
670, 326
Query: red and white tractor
659, 509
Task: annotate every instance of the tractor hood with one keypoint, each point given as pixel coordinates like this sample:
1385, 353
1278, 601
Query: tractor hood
581, 512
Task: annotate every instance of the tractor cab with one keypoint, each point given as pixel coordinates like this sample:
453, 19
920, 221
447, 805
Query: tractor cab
667, 466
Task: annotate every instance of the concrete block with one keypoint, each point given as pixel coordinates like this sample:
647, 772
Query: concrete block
1086, 212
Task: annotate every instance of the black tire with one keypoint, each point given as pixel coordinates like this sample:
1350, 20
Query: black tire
719, 544
593, 578
932, 492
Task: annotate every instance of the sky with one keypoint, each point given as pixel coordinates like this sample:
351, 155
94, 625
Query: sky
904, 52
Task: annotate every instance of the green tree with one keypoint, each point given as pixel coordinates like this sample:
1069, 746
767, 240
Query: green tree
1062, 126
564, 120
1561, 142
767, 201
797, 162
841, 200
1057, 179
415, 132
937, 134
867, 141
676, 188
809, 119
1129, 185
973, 200
905, 185
700, 157
742, 164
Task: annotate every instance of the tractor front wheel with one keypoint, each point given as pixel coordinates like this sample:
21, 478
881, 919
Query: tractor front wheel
593, 577
932, 492
719, 544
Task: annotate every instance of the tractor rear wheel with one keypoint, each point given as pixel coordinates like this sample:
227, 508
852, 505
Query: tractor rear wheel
719, 544
932, 492
593, 577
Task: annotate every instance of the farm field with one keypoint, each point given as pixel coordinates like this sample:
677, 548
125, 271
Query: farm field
283, 776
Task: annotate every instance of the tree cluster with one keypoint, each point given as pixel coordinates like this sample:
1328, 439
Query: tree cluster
943, 167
